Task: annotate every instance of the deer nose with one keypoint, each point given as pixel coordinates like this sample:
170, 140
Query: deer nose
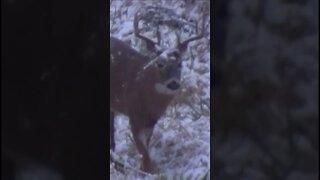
173, 85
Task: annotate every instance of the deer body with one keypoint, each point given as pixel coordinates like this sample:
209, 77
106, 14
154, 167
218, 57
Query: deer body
134, 95
142, 87
128, 89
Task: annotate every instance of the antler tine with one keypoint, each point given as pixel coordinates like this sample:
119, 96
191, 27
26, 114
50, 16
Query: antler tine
150, 44
182, 46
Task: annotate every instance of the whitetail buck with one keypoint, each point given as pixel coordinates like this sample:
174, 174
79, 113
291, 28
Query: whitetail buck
142, 87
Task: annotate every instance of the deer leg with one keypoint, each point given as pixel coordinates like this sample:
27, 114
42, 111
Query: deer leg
112, 143
141, 136
142, 149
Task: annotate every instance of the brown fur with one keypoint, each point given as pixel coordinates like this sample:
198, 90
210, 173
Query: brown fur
134, 97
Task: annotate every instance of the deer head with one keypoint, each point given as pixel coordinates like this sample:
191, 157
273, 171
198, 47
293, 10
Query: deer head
143, 86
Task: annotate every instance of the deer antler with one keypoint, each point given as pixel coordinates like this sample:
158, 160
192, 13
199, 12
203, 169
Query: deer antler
151, 45
183, 46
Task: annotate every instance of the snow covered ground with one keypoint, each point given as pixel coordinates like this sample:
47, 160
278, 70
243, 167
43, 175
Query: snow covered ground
180, 145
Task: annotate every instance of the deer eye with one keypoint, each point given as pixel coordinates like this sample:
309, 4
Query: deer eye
160, 65
174, 55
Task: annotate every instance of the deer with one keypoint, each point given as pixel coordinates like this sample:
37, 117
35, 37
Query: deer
142, 87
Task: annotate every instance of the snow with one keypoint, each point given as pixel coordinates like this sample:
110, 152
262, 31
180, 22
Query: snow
180, 144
